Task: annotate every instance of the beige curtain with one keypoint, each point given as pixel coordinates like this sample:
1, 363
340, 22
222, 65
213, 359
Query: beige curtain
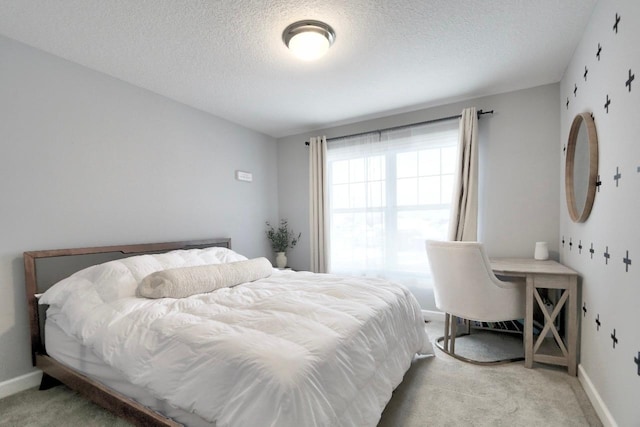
463, 225
318, 204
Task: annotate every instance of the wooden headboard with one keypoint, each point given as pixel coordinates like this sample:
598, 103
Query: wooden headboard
85, 257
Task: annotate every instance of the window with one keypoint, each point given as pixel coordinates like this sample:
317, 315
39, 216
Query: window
388, 193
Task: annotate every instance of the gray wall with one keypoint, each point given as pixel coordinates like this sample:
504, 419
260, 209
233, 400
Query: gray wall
519, 176
86, 159
610, 288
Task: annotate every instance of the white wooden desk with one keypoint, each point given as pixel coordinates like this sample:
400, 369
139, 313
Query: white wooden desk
546, 275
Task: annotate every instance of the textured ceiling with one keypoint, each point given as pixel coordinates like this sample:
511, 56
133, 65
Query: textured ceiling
226, 57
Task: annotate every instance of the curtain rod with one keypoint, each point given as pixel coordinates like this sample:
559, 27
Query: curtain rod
442, 119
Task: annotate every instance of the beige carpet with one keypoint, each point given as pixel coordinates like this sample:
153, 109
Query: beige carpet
443, 391
437, 391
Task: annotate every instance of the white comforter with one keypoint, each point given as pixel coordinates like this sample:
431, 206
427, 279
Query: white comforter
295, 349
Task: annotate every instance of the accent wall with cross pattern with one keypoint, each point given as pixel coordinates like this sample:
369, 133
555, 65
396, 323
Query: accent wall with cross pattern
605, 249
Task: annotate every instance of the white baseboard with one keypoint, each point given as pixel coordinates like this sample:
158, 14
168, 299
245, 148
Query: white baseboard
21, 383
433, 315
595, 399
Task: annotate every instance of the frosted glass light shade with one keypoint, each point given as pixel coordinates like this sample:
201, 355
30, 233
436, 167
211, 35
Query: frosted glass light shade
308, 40
309, 46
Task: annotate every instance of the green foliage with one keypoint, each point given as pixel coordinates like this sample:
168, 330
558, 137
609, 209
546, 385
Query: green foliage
282, 237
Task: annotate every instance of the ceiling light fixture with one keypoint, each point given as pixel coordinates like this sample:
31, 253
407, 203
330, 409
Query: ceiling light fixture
308, 40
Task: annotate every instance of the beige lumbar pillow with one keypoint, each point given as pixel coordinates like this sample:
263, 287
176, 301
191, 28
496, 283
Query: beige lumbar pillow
186, 281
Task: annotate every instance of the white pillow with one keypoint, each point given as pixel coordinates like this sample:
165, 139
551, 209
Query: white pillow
186, 281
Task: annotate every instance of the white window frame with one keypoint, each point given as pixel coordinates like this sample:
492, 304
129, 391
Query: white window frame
391, 209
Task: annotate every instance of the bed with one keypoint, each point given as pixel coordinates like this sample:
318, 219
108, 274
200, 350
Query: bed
281, 348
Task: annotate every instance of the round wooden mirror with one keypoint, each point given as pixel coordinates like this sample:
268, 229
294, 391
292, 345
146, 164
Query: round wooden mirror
581, 167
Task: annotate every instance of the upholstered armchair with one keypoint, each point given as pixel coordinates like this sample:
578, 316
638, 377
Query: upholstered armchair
465, 287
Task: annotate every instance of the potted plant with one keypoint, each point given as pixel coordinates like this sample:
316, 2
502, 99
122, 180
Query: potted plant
281, 238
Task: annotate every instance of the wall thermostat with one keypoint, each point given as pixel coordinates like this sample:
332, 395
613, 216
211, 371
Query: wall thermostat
244, 176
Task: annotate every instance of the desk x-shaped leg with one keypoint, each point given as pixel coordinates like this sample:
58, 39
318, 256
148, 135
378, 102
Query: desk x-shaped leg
568, 287
549, 319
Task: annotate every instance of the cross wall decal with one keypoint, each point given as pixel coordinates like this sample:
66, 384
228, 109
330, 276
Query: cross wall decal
632, 77
627, 262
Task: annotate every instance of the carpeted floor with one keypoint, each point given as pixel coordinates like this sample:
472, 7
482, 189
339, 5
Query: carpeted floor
443, 391
436, 391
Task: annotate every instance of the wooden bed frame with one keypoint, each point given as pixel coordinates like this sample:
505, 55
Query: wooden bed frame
55, 372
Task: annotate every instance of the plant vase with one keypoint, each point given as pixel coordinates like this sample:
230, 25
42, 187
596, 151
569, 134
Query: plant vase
281, 260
